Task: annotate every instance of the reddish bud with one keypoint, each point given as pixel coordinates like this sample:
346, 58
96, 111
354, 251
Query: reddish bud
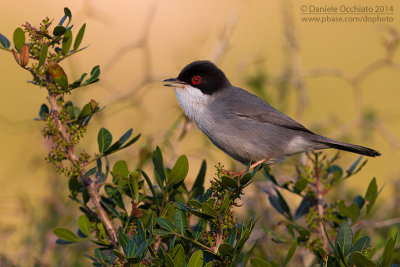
24, 55
15, 54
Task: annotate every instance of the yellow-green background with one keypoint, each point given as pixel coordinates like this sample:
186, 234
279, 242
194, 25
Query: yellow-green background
180, 32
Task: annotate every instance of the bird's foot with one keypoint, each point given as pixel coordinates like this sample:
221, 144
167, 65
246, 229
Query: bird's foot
233, 174
241, 173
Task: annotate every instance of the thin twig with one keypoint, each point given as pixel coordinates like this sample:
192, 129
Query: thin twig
103, 216
320, 206
72, 157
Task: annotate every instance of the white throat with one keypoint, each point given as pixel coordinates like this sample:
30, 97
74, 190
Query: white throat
192, 101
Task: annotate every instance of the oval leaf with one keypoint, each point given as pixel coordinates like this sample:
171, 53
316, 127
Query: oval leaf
104, 139
258, 262
179, 171
43, 55
360, 260
4, 41
84, 225
196, 260
59, 30
19, 38
167, 225
229, 182
79, 37
344, 238
65, 234
180, 220
121, 169
67, 41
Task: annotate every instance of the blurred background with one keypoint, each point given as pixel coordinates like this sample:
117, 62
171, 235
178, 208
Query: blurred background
339, 79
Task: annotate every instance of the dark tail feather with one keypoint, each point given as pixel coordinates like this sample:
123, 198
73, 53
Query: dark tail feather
348, 147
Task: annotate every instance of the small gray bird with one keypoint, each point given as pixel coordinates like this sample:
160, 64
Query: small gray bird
241, 124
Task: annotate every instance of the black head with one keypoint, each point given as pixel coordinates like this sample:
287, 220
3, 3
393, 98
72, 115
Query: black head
205, 76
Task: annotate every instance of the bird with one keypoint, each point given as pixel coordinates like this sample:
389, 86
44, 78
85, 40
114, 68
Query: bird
243, 125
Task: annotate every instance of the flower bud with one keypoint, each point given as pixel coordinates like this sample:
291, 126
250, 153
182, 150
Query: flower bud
24, 55
15, 54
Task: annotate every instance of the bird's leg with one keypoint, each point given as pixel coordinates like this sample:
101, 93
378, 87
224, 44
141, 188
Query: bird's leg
241, 173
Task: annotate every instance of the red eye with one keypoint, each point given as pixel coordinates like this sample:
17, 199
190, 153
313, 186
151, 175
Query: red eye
196, 80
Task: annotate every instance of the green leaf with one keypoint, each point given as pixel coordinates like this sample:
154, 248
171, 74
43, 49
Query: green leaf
198, 186
135, 184
179, 256
65, 234
229, 182
104, 139
123, 239
344, 238
167, 225
353, 166
84, 225
78, 82
180, 220
212, 255
66, 42
361, 244
59, 30
209, 210
159, 165
337, 172
279, 203
194, 203
168, 261
140, 230
232, 236
119, 254
371, 194
258, 262
79, 37
161, 232
179, 171
339, 252
304, 206
246, 178
243, 238
4, 41
388, 252
196, 260
225, 202
130, 248
86, 111
100, 255
300, 185
19, 39
44, 111
360, 260
94, 75
121, 169
226, 250
68, 14
198, 229
290, 253
150, 184
352, 211
43, 55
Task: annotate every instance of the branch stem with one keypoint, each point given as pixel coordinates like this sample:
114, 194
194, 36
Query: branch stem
320, 205
103, 216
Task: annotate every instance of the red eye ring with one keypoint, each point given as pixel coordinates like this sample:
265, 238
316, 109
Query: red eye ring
196, 80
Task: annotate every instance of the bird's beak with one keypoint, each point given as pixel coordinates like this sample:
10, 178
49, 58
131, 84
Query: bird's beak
173, 82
